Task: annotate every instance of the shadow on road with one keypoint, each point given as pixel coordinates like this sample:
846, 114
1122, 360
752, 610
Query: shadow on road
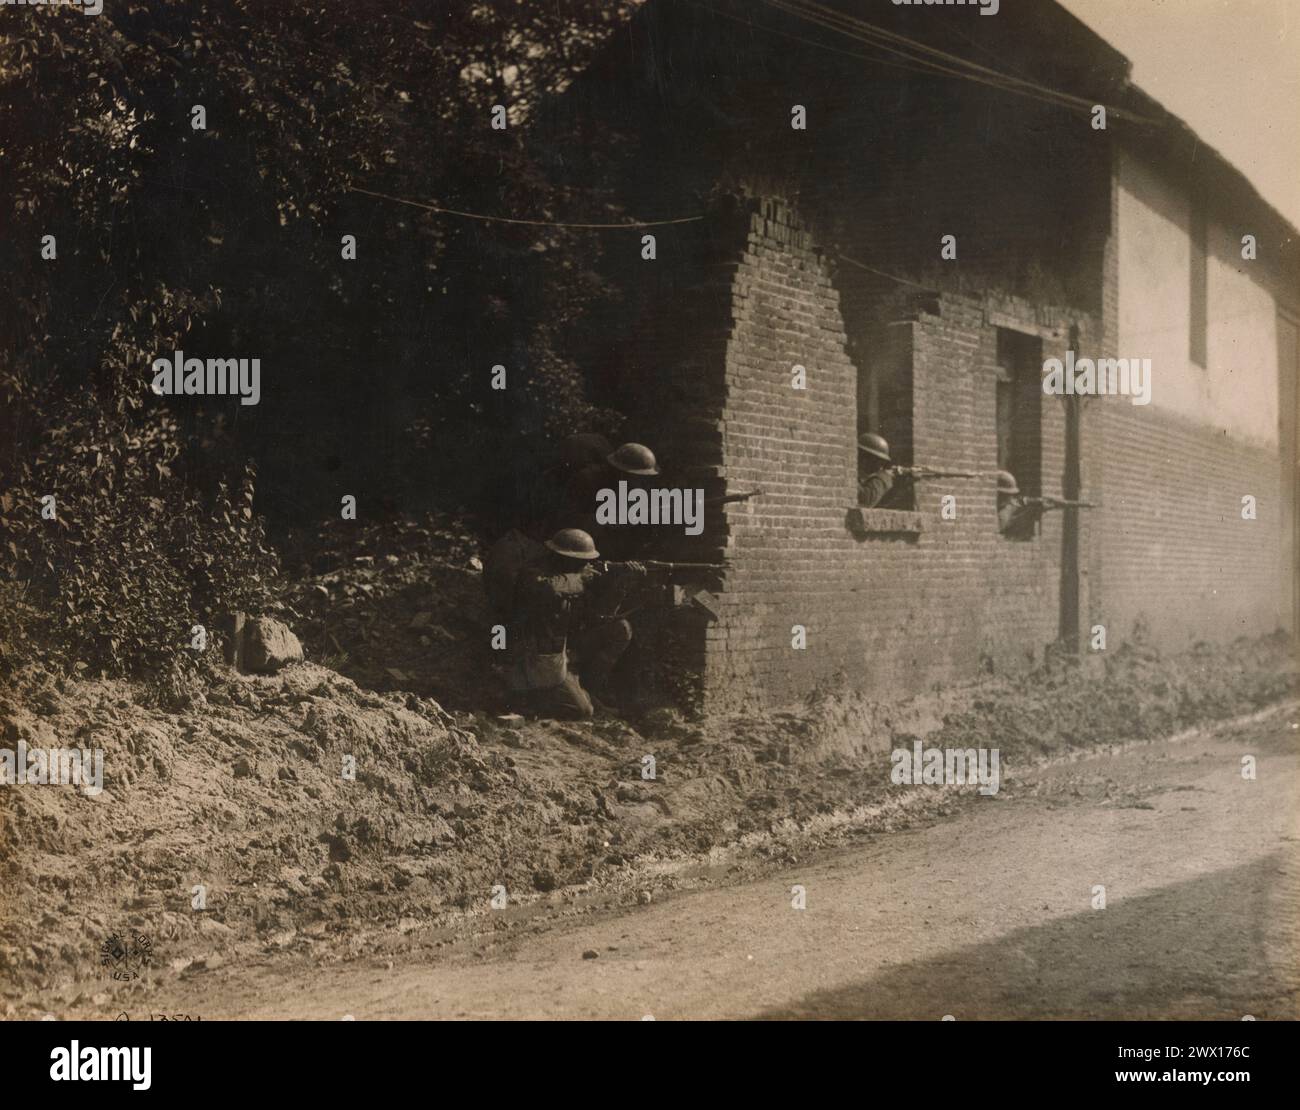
1216, 947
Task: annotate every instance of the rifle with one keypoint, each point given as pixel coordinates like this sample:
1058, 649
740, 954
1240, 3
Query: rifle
733, 497
701, 597
922, 472
1048, 503
658, 564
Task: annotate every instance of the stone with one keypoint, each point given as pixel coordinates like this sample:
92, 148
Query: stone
268, 646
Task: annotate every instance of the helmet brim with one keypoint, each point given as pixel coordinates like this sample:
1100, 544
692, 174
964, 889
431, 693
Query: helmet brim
592, 554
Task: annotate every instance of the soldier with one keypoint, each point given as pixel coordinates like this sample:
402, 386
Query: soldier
563, 627
1019, 515
1015, 515
878, 485
887, 486
631, 462
632, 459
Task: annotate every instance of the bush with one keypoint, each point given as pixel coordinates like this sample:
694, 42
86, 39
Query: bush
133, 556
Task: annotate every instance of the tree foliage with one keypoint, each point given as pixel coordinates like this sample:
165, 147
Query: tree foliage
226, 242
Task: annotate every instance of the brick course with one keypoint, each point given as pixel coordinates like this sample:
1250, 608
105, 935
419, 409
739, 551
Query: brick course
890, 613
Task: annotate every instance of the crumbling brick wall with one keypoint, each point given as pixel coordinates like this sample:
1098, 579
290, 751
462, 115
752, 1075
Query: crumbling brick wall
889, 612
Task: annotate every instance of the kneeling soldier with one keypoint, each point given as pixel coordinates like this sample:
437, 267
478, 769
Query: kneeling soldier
562, 625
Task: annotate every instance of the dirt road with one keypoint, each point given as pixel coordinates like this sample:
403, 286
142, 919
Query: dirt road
988, 914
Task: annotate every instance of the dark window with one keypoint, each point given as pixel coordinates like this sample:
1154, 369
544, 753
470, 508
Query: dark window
1019, 411
882, 354
1199, 293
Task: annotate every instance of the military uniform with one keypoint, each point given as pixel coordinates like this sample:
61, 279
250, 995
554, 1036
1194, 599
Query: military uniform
884, 490
874, 488
631, 463
881, 489
1017, 517
560, 628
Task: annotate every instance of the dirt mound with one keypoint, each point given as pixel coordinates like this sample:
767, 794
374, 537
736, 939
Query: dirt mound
310, 810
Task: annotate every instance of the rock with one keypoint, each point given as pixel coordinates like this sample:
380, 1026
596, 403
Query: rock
420, 620
645, 897
243, 768
269, 645
590, 954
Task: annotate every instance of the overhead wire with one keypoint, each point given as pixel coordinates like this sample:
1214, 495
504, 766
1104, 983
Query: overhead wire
528, 223
900, 45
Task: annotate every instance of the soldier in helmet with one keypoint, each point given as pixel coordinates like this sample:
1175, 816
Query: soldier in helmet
632, 463
629, 463
1016, 515
878, 487
563, 640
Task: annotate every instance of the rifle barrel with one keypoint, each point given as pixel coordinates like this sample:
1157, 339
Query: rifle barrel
927, 472
728, 498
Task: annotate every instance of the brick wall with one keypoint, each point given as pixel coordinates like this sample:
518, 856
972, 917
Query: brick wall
1177, 554
892, 612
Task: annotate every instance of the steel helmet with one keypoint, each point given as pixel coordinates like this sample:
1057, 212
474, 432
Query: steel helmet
876, 445
633, 458
1007, 482
573, 542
